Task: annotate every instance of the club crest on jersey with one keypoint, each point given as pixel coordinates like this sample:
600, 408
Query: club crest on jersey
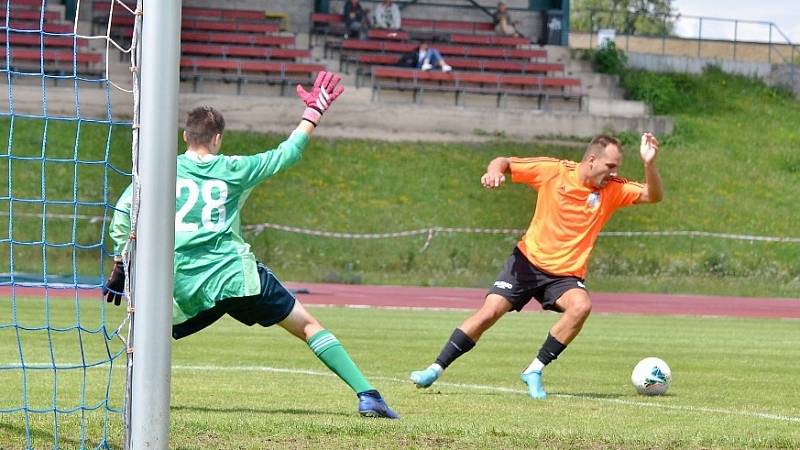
593, 201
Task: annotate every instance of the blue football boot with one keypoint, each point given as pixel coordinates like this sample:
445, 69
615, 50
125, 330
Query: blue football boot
424, 378
371, 404
534, 381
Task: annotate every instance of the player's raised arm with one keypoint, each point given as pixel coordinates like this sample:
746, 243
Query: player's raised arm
255, 168
325, 90
653, 192
495, 173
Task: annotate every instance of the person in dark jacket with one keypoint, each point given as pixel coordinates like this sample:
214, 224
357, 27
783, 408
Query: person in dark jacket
355, 20
424, 58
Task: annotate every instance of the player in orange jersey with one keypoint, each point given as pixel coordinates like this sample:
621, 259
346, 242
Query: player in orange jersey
575, 200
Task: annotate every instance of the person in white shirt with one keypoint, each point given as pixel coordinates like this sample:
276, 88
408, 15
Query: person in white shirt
387, 16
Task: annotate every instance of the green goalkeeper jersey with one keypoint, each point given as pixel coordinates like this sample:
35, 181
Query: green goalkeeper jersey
212, 260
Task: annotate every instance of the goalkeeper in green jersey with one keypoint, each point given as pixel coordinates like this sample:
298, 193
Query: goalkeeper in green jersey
215, 271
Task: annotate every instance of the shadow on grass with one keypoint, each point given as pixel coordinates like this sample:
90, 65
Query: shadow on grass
41, 438
468, 393
588, 395
591, 395
295, 411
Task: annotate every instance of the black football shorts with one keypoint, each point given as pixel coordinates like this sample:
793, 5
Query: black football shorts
519, 281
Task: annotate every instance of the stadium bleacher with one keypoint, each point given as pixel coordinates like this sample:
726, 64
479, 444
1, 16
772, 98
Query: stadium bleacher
56, 61
198, 70
28, 39
228, 16
251, 39
38, 42
542, 88
353, 47
242, 47
228, 45
18, 12
330, 27
389, 35
487, 39
244, 58
365, 62
239, 51
193, 19
500, 70
483, 62
231, 26
324, 25
29, 25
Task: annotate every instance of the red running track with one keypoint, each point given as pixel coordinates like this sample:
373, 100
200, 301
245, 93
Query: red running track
464, 298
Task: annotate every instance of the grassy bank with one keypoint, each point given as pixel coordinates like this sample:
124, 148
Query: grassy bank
730, 167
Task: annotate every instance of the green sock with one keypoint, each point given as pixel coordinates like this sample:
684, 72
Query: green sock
331, 352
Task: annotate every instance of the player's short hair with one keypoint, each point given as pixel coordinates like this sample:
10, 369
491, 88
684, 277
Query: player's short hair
202, 124
599, 144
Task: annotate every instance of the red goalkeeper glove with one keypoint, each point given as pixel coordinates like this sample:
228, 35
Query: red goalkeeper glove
326, 89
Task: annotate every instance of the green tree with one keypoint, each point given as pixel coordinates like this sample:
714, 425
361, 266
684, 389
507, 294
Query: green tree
644, 17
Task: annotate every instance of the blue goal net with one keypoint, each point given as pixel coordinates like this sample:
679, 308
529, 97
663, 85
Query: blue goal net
65, 156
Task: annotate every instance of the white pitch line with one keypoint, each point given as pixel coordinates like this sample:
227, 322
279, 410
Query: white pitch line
694, 409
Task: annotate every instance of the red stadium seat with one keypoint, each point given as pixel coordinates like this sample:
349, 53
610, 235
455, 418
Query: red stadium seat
501, 85
448, 25
61, 63
237, 38
388, 35
28, 14
228, 26
236, 51
34, 25
241, 72
36, 40
364, 62
488, 39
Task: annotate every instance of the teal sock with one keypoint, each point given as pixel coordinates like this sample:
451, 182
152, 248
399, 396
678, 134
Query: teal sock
331, 352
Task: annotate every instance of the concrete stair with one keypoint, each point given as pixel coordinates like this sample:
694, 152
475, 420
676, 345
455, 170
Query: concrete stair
394, 117
604, 103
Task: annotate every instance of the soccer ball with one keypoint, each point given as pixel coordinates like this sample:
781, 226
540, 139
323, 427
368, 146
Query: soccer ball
652, 376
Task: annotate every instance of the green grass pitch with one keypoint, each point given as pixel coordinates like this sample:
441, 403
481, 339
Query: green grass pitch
734, 385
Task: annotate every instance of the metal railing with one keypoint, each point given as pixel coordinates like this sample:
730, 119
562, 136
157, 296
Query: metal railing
701, 29
723, 38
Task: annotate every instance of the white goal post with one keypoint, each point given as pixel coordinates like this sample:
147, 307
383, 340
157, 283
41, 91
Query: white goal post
154, 177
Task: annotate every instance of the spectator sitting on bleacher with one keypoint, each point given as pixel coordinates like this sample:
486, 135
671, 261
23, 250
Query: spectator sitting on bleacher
355, 20
503, 24
424, 58
387, 16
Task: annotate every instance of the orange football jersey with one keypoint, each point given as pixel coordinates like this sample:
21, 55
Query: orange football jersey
568, 215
